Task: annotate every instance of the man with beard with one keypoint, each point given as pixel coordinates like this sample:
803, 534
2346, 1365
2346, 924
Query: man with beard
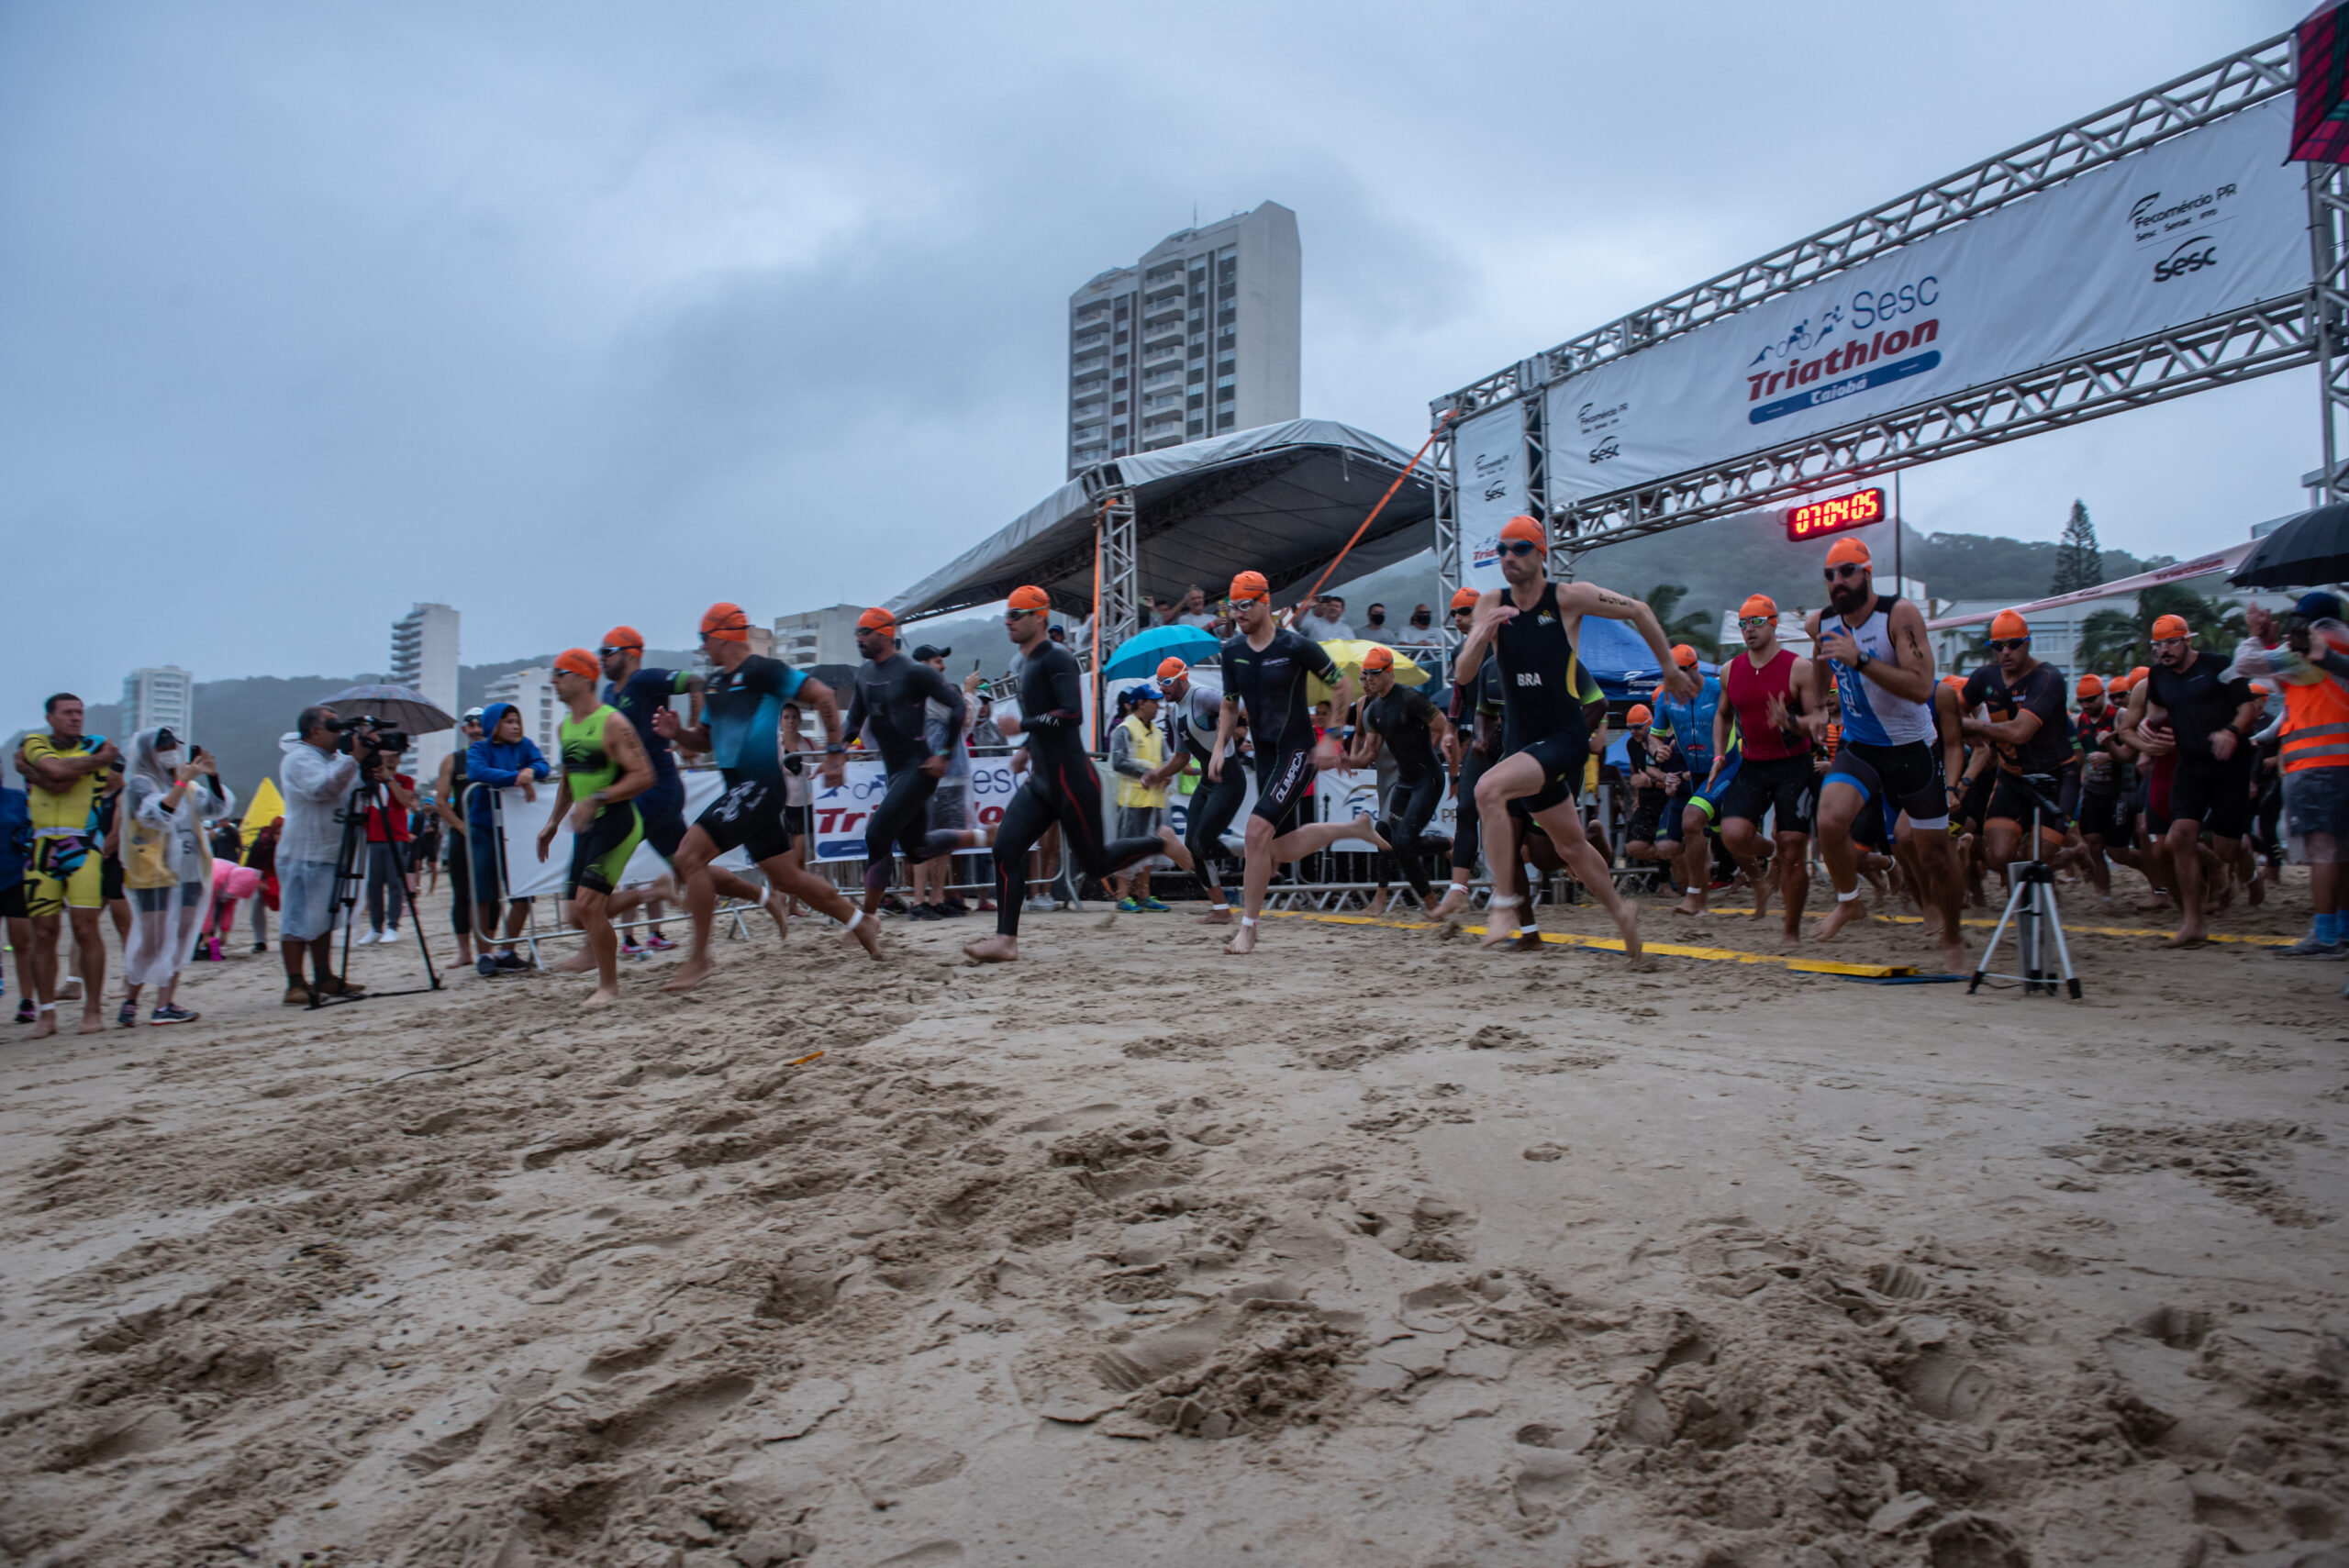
1873, 648
2210, 719
1763, 690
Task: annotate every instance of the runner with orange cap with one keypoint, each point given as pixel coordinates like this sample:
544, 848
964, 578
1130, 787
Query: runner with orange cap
638, 693
1688, 724
1645, 760
1413, 730
1265, 669
605, 769
1872, 649
2210, 721
1533, 626
1194, 709
2026, 724
1061, 786
1763, 688
740, 728
892, 702
2099, 815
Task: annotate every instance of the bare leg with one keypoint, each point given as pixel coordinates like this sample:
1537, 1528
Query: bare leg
90, 959
1794, 884
46, 929
2186, 866
1564, 825
603, 945
1839, 807
791, 881
1693, 864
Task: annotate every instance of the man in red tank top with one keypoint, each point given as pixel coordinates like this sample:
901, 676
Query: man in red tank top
1762, 687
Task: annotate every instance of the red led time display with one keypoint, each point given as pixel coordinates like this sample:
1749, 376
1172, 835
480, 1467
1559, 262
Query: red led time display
1836, 514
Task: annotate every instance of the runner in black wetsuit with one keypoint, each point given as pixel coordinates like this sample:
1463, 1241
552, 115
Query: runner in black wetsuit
2028, 729
1062, 785
892, 696
1265, 671
740, 726
1401, 721
1193, 712
2207, 732
1532, 627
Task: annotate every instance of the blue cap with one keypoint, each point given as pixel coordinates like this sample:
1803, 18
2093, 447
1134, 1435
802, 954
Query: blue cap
1144, 693
2320, 605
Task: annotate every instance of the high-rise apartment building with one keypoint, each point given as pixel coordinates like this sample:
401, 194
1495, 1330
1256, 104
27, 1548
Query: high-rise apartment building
423, 655
1198, 338
159, 696
818, 637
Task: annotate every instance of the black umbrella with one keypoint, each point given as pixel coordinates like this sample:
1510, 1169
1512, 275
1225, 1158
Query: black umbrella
402, 707
2311, 547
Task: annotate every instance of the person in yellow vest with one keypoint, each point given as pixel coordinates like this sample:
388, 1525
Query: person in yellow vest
1138, 756
2314, 756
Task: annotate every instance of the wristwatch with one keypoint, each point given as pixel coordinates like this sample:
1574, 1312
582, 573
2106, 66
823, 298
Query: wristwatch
1861, 662
835, 748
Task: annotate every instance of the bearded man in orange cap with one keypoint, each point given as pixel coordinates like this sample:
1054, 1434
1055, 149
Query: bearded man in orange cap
2016, 705
1763, 688
2207, 721
1265, 672
1533, 629
892, 697
1871, 661
742, 728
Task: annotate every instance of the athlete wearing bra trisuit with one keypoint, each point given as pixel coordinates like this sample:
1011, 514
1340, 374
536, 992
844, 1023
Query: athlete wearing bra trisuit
892, 705
1061, 787
1542, 716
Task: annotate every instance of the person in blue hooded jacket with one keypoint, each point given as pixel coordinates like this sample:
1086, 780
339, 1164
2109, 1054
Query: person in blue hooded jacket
16, 853
505, 759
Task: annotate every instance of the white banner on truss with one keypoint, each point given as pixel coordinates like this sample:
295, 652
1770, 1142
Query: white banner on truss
2208, 222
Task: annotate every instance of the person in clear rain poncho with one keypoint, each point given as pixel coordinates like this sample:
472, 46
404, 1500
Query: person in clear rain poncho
169, 790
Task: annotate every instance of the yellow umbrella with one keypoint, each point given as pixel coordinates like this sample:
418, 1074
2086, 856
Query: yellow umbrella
1349, 656
266, 808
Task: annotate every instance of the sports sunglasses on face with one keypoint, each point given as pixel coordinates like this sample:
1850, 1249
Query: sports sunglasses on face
1518, 547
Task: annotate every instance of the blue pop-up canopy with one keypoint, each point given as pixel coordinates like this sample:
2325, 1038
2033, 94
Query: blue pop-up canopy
1620, 659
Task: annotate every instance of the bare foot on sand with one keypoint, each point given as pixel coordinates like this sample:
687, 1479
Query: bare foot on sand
1500, 924
1218, 915
1954, 959
92, 1023
1455, 903
1691, 903
1790, 937
45, 1025
1366, 826
2187, 937
866, 934
1845, 911
997, 949
579, 962
1243, 940
602, 996
690, 974
1628, 922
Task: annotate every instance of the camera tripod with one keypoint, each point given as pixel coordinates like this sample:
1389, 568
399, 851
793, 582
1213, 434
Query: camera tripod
2031, 910
351, 880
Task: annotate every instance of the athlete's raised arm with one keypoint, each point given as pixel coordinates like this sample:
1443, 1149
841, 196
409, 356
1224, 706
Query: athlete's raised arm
1590, 599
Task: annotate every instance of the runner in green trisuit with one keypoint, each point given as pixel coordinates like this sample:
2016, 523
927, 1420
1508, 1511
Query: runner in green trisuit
604, 766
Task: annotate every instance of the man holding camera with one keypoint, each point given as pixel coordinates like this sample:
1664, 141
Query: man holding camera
318, 777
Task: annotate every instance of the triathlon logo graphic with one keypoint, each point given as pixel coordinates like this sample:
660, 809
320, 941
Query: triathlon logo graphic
1872, 353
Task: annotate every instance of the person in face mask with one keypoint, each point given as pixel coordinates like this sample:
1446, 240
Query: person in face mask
170, 788
1419, 633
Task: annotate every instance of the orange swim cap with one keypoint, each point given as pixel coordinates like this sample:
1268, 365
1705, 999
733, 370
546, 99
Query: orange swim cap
2089, 686
725, 622
1378, 661
2140, 673
1683, 656
578, 661
1030, 597
1847, 551
2007, 624
877, 619
624, 637
1639, 713
1758, 604
1170, 667
1463, 598
1524, 528
1250, 585
2170, 626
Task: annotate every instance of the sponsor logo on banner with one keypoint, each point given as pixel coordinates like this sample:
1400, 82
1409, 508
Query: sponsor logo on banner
2191, 256
1494, 478
842, 811
1590, 418
1612, 447
2152, 219
1866, 351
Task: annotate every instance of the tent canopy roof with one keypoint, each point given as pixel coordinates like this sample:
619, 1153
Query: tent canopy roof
1282, 499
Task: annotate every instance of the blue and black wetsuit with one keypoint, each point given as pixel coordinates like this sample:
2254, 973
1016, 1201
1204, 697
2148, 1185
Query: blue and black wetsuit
743, 711
1061, 787
663, 807
892, 697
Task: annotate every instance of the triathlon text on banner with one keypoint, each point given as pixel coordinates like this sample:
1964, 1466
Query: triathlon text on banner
2209, 221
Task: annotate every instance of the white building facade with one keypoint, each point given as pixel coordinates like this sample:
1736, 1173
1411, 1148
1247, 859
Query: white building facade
1199, 338
423, 655
818, 637
163, 695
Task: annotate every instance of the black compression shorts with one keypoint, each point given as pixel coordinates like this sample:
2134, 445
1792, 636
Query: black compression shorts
750, 818
1564, 759
1280, 786
1645, 816
2215, 793
2011, 800
1786, 785
663, 813
1904, 778
2104, 814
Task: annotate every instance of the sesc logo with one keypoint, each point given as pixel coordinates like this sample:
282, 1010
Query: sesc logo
1612, 447
2189, 257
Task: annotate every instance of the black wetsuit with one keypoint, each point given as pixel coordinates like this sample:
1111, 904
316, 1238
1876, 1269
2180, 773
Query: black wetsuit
1401, 718
892, 696
1541, 713
1061, 787
1270, 686
1190, 723
2213, 791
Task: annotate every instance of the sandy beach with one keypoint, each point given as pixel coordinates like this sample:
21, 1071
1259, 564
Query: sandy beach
1371, 1249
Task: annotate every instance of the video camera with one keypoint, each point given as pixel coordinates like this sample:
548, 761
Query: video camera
366, 737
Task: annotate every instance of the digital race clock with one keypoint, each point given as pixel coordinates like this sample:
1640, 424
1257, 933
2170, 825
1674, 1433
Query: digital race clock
1835, 515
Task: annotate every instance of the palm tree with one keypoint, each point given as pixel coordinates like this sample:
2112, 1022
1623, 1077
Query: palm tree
1695, 629
2115, 641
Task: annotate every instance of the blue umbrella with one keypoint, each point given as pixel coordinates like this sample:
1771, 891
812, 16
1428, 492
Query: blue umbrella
1140, 654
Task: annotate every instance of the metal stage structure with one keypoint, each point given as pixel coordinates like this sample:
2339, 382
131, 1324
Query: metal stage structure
2310, 326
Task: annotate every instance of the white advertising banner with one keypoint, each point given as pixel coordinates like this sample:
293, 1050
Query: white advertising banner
1488, 466
842, 811
527, 876
2206, 222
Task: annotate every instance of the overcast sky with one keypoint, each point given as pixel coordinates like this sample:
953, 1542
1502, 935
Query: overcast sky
570, 313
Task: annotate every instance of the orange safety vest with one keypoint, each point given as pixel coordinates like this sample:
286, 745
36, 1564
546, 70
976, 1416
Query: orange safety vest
2315, 725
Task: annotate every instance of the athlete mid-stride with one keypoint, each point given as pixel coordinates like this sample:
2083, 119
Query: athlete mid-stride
1265, 672
1410, 728
1061, 787
1873, 650
892, 697
1533, 627
742, 728
1193, 712
605, 769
